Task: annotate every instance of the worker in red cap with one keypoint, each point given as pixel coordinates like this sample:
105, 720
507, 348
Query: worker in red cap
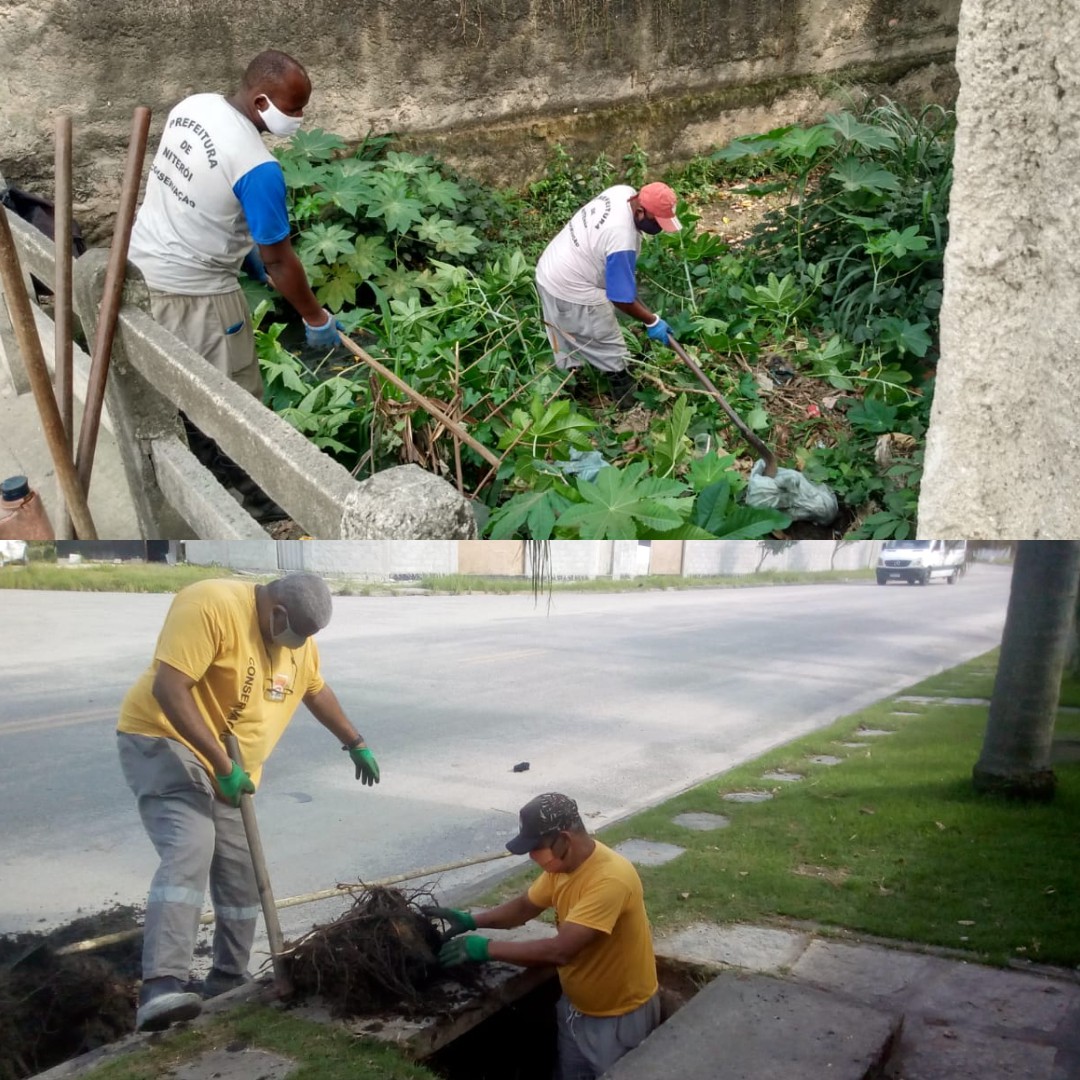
589, 270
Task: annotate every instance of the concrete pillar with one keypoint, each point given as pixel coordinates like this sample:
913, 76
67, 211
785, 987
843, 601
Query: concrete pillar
1002, 455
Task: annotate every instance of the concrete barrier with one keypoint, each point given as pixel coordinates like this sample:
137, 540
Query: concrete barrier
153, 376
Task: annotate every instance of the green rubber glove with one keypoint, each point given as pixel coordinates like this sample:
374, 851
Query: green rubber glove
234, 785
457, 921
463, 950
367, 768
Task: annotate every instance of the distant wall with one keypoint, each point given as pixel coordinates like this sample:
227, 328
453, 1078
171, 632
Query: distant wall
488, 84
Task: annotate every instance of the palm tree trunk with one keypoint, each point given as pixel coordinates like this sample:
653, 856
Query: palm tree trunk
1015, 758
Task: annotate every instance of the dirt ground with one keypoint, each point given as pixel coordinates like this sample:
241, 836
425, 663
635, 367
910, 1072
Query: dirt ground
378, 957
54, 1006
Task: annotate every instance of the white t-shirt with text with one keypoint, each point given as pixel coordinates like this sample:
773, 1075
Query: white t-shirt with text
593, 259
213, 190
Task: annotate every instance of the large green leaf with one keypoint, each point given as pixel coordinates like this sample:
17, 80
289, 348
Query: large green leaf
709, 468
868, 136
407, 163
301, 173
315, 144
324, 243
806, 142
348, 192
898, 244
436, 190
532, 513
671, 447
391, 201
858, 175
616, 504
338, 288
370, 257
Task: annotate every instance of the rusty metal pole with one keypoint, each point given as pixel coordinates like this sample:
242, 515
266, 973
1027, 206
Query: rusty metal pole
262, 878
62, 337
110, 302
22, 320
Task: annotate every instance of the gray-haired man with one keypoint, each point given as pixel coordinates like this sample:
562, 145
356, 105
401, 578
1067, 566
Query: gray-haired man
234, 657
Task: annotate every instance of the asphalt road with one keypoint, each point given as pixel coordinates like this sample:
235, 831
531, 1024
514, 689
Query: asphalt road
618, 699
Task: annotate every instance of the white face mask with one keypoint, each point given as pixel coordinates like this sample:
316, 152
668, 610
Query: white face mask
277, 122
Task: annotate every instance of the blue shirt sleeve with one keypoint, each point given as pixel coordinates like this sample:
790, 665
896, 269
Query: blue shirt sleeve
619, 283
262, 195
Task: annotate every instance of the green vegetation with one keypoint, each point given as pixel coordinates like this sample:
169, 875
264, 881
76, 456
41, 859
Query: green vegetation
840, 287
320, 1051
157, 578
108, 577
461, 583
892, 842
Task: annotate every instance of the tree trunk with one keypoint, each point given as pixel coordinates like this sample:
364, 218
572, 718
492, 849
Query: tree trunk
1015, 758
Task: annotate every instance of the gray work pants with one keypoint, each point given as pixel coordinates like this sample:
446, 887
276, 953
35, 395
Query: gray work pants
196, 837
589, 1045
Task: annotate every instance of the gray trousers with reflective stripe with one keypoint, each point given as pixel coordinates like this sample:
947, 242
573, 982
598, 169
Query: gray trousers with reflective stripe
196, 837
589, 1045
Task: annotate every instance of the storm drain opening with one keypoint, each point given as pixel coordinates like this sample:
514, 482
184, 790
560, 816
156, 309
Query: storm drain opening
517, 1040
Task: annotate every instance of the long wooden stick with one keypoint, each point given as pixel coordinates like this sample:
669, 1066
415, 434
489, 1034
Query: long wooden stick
425, 403
113, 293
120, 936
22, 320
262, 879
62, 336
753, 439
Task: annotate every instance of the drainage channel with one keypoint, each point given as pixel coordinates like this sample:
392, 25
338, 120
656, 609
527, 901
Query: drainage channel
513, 1038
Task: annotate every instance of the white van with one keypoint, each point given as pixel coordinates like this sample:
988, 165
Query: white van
918, 562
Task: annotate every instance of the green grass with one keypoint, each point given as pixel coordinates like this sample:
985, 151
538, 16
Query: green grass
159, 578
321, 1052
107, 577
464, 583
893, 842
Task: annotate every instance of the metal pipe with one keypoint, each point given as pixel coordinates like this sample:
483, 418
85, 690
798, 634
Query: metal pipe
62, 347
121, 936
111, 298
22, 320
262, 879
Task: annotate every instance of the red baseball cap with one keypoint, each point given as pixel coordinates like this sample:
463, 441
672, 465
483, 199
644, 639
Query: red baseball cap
660, 201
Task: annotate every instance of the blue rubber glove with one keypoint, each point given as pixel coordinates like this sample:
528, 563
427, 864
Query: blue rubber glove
658, 331
234, 785
462, 950
367, 768
254, 267
325, 336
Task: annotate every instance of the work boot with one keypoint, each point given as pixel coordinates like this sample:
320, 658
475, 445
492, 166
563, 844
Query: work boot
221, 982
622, 387
164, 1001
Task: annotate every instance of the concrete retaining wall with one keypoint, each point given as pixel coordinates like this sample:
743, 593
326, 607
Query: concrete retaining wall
489, 84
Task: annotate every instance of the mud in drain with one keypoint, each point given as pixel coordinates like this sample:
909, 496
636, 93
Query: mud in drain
55, 1006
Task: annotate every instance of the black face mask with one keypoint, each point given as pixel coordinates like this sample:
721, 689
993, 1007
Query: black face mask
648, 226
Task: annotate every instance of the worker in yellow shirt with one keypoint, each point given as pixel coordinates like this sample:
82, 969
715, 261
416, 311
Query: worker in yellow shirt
603, 948
238, 657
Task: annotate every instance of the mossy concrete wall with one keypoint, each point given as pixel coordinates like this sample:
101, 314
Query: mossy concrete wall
489, 84
1003, 449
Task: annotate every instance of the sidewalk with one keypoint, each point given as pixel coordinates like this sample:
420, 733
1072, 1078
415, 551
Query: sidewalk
790, 1004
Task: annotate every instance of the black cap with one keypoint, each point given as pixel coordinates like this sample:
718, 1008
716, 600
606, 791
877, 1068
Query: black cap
547, 813
14, 487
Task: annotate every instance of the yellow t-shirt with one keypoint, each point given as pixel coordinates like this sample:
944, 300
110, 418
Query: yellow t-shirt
616, 973
211, 634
